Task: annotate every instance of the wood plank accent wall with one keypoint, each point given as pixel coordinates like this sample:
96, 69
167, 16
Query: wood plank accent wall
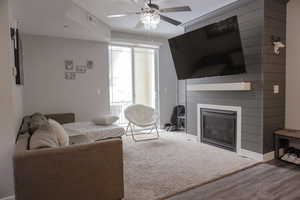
274, 70
261, 112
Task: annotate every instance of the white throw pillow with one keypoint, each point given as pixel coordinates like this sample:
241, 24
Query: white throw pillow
43, 138
106, 120
61, 134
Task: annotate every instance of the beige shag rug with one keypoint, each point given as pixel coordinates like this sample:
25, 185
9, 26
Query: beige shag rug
159, 168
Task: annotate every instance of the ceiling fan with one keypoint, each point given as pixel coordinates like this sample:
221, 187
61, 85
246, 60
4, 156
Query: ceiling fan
150, 15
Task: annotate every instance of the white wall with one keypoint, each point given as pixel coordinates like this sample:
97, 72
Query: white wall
293, 66
17, 89
47, 91
7, 111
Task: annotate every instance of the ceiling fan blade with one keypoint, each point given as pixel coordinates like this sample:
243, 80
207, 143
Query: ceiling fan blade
116, 16
126, 1
170, 20
176, 9
123, 15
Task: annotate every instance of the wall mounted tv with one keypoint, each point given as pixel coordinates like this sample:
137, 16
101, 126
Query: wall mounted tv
214, 50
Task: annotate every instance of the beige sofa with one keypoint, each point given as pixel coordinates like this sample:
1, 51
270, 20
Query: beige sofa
91, 171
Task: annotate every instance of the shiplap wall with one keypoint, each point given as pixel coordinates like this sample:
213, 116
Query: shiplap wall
274, 70
259, 104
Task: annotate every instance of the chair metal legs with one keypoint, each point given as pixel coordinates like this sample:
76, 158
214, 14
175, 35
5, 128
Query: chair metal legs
133, 134
126, 132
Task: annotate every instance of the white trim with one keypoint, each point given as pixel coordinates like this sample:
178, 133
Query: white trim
8, 198
252, 154
258, 156
241, 86
237, 109
269, 156
136, 43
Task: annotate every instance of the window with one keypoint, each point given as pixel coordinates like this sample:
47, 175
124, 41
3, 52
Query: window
132, 78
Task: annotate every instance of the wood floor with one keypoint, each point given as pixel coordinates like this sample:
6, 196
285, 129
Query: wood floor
268, 181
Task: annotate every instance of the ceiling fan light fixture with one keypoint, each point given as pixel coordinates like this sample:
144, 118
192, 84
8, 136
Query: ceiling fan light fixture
150, 19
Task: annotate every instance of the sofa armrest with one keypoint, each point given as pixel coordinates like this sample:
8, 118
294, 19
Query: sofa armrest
91, 171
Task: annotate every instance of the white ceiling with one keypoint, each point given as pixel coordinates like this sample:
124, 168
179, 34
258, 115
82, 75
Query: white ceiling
48, 17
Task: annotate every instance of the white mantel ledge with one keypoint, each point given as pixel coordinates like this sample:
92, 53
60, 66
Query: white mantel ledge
239, 86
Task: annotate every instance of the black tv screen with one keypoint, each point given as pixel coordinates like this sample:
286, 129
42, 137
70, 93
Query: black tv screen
214, 50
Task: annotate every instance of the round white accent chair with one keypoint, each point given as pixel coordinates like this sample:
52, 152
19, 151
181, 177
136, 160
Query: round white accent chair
141, 116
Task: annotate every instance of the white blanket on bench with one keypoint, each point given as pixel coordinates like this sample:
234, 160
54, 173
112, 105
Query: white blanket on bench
92, 131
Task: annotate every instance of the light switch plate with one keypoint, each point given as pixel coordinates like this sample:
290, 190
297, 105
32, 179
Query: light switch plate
276, 89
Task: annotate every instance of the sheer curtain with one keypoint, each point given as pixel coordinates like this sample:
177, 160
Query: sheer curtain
132, 78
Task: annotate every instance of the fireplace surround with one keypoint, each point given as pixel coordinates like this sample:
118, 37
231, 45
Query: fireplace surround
237, 115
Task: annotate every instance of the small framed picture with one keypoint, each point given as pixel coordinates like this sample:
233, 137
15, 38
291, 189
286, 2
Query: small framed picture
70, 75
69, 65
80, 68
89, 64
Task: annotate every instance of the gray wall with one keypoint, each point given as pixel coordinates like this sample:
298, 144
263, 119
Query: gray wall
274, 71
168, 83
262, 110
250, 15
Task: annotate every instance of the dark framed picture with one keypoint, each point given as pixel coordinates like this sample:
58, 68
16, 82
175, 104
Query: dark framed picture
69, 65
70, 75
80, 68
89, 64
18, 55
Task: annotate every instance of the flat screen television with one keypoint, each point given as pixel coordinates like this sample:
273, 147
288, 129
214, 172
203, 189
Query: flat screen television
214, 50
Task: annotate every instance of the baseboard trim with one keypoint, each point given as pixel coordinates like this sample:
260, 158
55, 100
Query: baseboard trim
8, 198
251, 154
258, 156
269, 156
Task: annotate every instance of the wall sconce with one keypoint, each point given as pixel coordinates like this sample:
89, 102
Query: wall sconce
276, 41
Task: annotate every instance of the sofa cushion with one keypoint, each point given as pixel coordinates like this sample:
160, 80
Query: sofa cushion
80, 139
58, 129
38, 121
106, 120
43, 138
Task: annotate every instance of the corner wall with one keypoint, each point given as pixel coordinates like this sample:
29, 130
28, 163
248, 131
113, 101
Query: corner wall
7, 110
293, 66
46, 89
273, 73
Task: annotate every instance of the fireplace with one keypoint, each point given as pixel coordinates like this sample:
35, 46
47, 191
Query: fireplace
219, 128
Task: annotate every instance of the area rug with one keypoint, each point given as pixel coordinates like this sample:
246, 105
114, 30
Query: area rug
159, 168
